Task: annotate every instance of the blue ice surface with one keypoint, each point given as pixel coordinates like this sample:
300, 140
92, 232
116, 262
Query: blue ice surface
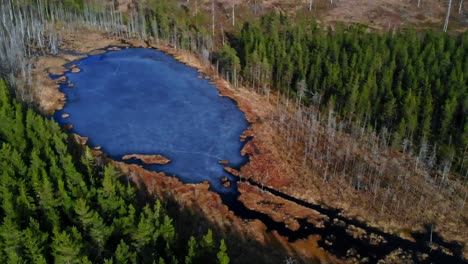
143, 101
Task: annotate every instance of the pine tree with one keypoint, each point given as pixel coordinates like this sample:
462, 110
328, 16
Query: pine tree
11, 238
207, 240
93, 224
34, 242
192, 251
123, 254
222, 255
66, 246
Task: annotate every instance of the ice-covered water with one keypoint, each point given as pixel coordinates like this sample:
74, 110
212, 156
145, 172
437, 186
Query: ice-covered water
143, 101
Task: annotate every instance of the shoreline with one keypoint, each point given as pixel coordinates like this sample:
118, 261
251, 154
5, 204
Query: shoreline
195, 197
260, 151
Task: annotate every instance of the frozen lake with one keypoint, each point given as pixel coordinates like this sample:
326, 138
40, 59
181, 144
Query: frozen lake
144, 101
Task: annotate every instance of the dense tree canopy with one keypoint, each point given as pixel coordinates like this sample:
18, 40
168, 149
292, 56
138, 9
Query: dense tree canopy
412, 85
57, 208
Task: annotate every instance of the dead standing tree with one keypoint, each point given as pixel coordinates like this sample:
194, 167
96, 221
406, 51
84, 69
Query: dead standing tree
24, 32
363, 165
447, 17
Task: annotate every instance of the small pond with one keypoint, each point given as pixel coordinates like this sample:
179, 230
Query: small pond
143, 101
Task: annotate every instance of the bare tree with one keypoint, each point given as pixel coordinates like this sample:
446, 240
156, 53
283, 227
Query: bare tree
301, 89
463, 203
448, 16
289, 260
213, 18
422, 155
233, 14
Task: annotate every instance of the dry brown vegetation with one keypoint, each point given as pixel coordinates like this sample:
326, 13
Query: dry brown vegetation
148, 159
393, 14
195, 198
306, 154
377, 14
279, 209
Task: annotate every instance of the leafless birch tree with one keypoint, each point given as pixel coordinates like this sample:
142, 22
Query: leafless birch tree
448, 15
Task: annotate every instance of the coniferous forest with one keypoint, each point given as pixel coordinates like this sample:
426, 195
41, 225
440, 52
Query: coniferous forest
411, 87
401, 91
61, 205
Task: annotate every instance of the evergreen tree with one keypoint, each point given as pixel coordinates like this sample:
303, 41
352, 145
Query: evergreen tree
222, 255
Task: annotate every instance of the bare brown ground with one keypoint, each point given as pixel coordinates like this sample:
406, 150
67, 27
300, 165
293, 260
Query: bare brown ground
282, 169
377, 14
148, 159
278, 209
269, 163
195, 197
46, 91
394, 14
385, 14
307, 248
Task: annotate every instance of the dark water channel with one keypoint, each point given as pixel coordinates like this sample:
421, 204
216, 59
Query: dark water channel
142, 101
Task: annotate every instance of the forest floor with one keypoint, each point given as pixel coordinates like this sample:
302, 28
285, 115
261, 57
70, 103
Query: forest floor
394, 14
269, 164
382, 15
